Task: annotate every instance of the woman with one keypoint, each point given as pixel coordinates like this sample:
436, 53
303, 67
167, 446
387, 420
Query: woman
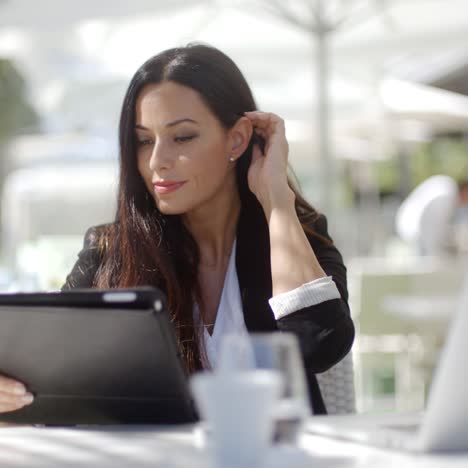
209, 215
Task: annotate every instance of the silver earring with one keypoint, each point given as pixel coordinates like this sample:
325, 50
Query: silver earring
232, 159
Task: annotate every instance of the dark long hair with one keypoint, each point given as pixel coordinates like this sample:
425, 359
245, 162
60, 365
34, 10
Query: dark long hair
146, 247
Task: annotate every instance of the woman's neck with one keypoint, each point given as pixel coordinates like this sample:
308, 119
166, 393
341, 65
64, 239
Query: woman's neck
213, 227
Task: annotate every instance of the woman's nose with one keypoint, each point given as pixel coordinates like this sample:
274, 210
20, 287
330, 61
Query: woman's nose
160, 158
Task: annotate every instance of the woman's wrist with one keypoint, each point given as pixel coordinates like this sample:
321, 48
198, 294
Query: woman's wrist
290, 249
278, 198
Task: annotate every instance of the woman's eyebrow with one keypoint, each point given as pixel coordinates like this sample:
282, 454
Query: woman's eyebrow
169, 124
178, 121
140, 127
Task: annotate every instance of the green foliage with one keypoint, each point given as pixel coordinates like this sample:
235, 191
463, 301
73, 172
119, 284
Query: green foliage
387, 175
16, 114
443, 155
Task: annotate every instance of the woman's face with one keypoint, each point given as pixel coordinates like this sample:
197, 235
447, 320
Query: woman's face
182, 149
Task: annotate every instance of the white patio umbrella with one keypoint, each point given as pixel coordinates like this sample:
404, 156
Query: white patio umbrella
372, 38
56, 14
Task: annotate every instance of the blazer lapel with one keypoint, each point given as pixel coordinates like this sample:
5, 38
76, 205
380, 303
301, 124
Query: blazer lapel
254, 270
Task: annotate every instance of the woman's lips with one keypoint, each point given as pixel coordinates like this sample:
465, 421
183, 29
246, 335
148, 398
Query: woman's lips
167, 187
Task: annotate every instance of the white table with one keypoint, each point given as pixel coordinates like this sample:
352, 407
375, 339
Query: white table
421, 310
165, 447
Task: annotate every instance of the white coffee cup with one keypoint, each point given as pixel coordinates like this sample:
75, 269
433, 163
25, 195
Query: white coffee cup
238, 406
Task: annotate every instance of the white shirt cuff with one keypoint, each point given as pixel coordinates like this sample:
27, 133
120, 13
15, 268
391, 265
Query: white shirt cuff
309, 294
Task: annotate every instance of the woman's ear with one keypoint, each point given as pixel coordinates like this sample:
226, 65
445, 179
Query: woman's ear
239, 137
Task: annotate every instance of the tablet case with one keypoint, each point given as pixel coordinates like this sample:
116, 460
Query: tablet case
94, 357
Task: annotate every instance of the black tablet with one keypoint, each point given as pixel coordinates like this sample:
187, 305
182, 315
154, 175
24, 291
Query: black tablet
94, 357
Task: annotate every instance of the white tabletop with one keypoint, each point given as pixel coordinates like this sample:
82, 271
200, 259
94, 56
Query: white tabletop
421, 309
165, 447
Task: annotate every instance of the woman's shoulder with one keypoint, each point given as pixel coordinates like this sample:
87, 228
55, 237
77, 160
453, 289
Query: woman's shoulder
89, 258
96, 237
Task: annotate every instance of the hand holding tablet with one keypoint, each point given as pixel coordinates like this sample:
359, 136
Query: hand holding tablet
13, 395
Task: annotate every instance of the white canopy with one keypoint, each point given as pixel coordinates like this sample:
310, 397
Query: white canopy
79, 60
74, 55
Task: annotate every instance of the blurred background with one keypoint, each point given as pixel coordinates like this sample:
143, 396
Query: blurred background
374, 94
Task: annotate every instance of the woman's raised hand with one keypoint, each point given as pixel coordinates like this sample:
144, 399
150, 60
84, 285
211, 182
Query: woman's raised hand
267, 175
13, 395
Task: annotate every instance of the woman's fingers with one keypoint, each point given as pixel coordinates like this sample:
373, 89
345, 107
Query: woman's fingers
262, 116
260, 131
267, 125
264, 120
256, 153
13, 395
12, 386
10, 402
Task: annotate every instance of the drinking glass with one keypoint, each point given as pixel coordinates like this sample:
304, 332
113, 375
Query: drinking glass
238, 407
278, 351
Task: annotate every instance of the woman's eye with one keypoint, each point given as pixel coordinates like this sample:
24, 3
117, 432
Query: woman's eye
144, 142
182, 139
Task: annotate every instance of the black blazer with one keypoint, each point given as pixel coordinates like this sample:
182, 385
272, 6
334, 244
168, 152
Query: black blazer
325, 331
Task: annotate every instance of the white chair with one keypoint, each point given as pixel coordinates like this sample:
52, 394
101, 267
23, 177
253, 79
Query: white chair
423, 219
337, 387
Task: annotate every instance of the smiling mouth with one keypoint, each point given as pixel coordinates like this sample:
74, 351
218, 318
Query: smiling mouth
164, 187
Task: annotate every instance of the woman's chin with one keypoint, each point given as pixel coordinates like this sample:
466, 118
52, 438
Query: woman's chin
170, 208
